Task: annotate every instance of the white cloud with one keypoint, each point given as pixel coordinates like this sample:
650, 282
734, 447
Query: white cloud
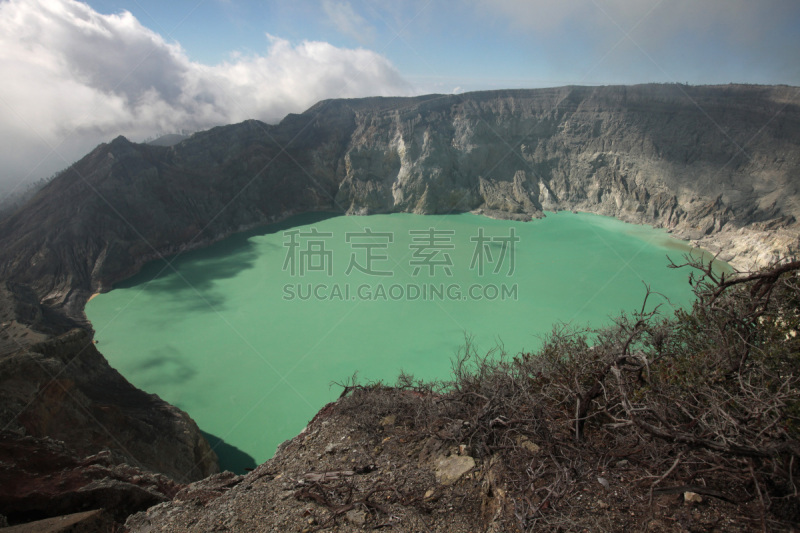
74, 77
348, 22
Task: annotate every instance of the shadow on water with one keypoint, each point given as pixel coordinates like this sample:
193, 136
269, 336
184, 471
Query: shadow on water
164, 365
199, 269
230, 457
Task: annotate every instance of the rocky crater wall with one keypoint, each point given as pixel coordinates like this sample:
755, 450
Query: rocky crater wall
713, 164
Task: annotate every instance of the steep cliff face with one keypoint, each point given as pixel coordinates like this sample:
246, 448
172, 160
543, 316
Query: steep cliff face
703, 161
697, 160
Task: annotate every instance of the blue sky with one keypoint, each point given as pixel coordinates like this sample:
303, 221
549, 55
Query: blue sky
473, 44
77, 73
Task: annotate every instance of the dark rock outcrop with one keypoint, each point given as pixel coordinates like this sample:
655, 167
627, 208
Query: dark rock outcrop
170, 139
24, 321
41, 478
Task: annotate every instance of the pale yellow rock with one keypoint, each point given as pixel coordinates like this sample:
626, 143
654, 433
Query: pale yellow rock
450, 469
526, 443
692, 497
356, 517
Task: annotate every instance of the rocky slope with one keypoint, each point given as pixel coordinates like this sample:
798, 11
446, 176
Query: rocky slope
336, 476
366, 464
43, 478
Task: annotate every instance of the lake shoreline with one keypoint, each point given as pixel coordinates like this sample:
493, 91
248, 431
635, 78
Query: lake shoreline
429, 319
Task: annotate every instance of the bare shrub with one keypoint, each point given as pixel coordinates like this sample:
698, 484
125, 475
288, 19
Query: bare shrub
705, 401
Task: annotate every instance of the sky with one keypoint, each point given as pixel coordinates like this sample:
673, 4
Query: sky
76, 74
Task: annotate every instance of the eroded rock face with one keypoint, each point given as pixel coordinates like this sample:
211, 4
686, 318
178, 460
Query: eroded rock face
24, 321
694, 160
41, 478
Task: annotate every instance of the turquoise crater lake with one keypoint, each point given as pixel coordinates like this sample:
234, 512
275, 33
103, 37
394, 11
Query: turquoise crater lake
248, 334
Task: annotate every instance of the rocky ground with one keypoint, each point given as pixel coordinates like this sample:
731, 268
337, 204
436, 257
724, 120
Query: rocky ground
369, 466
750, 248
332, 476
63, 388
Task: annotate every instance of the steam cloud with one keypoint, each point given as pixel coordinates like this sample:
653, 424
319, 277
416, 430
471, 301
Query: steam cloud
74, 77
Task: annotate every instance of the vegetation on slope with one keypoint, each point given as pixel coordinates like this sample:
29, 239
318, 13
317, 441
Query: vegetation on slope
704, 403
